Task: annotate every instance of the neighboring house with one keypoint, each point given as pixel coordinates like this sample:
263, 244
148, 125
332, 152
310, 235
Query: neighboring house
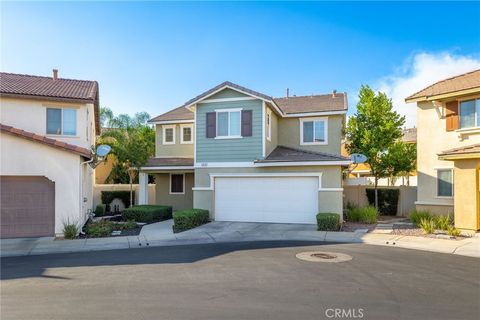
362, 174
246, 156
48, 126
448, 148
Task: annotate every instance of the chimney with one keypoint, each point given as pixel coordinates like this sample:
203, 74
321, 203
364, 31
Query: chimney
286, 93
55, 74
334, 95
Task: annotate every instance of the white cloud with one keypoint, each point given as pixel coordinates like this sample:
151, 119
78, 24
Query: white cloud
418, 72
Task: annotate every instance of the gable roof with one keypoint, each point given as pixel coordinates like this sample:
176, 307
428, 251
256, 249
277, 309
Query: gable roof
44, 140
467, 81
285, 106
286, 154
67, 90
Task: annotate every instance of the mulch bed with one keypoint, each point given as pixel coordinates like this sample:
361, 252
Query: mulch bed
418, 232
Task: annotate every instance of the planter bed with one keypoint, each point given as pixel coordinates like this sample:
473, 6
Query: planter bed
404, 230
349, 226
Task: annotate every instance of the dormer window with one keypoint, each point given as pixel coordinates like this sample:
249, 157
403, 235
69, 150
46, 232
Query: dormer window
62, 121
313, 131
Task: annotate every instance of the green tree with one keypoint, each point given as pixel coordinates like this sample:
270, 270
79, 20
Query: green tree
400, 160
373, 130
132, 141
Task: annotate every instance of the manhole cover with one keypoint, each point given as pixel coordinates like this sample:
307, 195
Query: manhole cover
321, 256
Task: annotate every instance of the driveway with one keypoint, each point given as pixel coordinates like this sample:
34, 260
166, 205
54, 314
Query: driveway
254, 280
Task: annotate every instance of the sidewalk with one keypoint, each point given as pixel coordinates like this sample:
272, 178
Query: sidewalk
160, 234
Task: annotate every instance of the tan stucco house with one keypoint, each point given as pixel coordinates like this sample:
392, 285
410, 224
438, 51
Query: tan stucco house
246, 156
448, 148
48, 126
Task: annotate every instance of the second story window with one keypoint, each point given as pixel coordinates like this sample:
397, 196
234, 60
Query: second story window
168, 134
313, 131
470, 113
62, 121
187, 134
228, 123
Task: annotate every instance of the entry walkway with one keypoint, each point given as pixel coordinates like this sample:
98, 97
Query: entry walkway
160, 234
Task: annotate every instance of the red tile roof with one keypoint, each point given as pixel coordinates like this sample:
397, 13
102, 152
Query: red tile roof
44, 140
68, 90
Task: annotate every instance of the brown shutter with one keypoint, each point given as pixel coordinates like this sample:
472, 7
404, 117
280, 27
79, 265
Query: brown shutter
211, 124
451, 115
246, 123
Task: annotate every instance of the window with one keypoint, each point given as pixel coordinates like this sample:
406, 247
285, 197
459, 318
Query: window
470, 113
187, 134
269, 125
168, 134
228, 123
313, 131
62, 121
445, 183
177, 182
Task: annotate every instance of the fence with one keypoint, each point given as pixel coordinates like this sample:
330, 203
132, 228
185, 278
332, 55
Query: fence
98, 188
358, 196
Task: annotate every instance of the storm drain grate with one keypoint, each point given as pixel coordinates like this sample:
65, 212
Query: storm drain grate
322, 256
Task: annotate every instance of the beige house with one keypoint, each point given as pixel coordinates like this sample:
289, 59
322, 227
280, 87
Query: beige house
448, 148
48, 126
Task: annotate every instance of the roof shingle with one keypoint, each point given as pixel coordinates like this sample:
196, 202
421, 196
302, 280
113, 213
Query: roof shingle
475, 148
169, 162
286, 154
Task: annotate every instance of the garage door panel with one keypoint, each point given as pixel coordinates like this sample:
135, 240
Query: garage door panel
266, 199
28, 207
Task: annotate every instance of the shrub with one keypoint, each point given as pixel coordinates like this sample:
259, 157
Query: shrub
147, 213
328, 222
70, 230
368, 214
108, 196
188, 219
452, 231
100, 210
415, 216
387, 200
100, 228
443, 222
427, 224
129, 225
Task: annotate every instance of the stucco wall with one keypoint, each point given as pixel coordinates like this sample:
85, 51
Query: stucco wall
177, 201
173, 150
31, 115
466, 175
289, 134
432, 139
20, 157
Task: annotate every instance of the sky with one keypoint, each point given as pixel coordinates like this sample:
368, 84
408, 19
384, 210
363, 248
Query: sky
154, 56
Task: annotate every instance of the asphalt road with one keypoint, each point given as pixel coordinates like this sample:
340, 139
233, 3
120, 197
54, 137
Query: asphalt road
241, 281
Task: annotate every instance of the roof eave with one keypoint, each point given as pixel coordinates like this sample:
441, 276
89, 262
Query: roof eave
442, 96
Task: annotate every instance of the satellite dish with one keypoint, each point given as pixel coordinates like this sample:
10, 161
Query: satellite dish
103, 150
358, 158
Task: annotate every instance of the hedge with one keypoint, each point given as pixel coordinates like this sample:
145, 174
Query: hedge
387, 200
147, 213
189, 219
100, 210
108, 196
328, 221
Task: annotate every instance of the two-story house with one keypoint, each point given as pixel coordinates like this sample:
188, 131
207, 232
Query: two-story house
48, 126
448, 148
246, 156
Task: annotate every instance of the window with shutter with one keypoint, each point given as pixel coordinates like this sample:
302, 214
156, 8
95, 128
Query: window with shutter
451, 115
246, 123
211, 124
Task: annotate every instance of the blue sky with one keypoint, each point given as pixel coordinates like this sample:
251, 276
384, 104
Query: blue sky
153, 56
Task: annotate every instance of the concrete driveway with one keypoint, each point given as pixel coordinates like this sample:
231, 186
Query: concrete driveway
247, 280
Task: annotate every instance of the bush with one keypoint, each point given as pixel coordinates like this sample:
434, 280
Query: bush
147, 213
188, 219
452, 231
102, 228
70, 230
328, 222
427, 224
108, 196
367, 214
415, 216
387, 200
100, 210
129, 225
443, 222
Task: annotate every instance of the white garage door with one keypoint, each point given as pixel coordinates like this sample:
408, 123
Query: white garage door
266, 199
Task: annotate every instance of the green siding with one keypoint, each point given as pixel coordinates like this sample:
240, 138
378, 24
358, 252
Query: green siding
227, 93
229, 150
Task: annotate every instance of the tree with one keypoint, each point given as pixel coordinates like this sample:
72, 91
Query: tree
132, 141
401, 159
373, 130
